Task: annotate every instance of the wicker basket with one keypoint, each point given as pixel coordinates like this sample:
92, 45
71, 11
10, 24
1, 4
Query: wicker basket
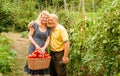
38, 63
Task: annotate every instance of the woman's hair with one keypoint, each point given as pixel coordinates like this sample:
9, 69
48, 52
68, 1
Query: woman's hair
38, 20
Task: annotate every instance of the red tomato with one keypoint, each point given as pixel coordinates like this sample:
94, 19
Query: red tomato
46, 55
37, 52
49, 56
30, 56
34, 55
40, 56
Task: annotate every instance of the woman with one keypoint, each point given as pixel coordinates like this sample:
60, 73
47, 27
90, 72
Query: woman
39, 35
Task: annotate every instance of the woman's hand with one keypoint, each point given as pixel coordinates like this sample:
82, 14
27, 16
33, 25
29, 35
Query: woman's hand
37, 47
43, 50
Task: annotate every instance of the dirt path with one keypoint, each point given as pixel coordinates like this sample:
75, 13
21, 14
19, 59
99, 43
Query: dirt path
20, 45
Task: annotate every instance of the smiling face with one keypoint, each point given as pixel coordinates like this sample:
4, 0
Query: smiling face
52, 22
44, 18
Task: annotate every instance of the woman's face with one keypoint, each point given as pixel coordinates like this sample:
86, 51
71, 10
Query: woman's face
44, 19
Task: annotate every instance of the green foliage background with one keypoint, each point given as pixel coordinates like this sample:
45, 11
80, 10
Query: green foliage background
6, 55
95, 42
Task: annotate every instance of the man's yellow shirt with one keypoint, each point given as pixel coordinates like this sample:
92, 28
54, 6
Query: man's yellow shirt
58, 37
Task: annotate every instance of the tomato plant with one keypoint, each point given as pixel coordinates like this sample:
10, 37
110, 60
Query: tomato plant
95, 43
6, 55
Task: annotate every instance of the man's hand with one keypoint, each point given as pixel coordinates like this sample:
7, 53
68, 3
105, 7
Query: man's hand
66, 51
65, 59
31, 24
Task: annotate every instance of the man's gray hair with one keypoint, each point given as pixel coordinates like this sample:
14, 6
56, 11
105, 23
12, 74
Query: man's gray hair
54, 16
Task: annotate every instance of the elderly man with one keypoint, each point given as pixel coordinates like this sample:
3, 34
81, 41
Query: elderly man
59, 46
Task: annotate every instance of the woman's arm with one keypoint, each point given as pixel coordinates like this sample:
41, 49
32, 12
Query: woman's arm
46, 44
30, 36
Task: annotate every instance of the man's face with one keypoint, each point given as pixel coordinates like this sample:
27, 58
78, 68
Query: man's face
44, 19
51, 22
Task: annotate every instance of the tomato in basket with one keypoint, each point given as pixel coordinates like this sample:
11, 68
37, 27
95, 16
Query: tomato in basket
49, 56
37, 52
34, 55
30, 56
46, 55
40, 56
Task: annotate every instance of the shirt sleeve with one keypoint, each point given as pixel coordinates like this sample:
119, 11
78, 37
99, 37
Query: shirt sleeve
49, 31
65, 36
34, 26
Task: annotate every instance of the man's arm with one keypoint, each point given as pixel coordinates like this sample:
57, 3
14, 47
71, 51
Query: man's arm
66, 52
65, 38
66, 48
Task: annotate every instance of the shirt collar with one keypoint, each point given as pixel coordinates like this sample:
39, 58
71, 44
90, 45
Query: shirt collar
56, 27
